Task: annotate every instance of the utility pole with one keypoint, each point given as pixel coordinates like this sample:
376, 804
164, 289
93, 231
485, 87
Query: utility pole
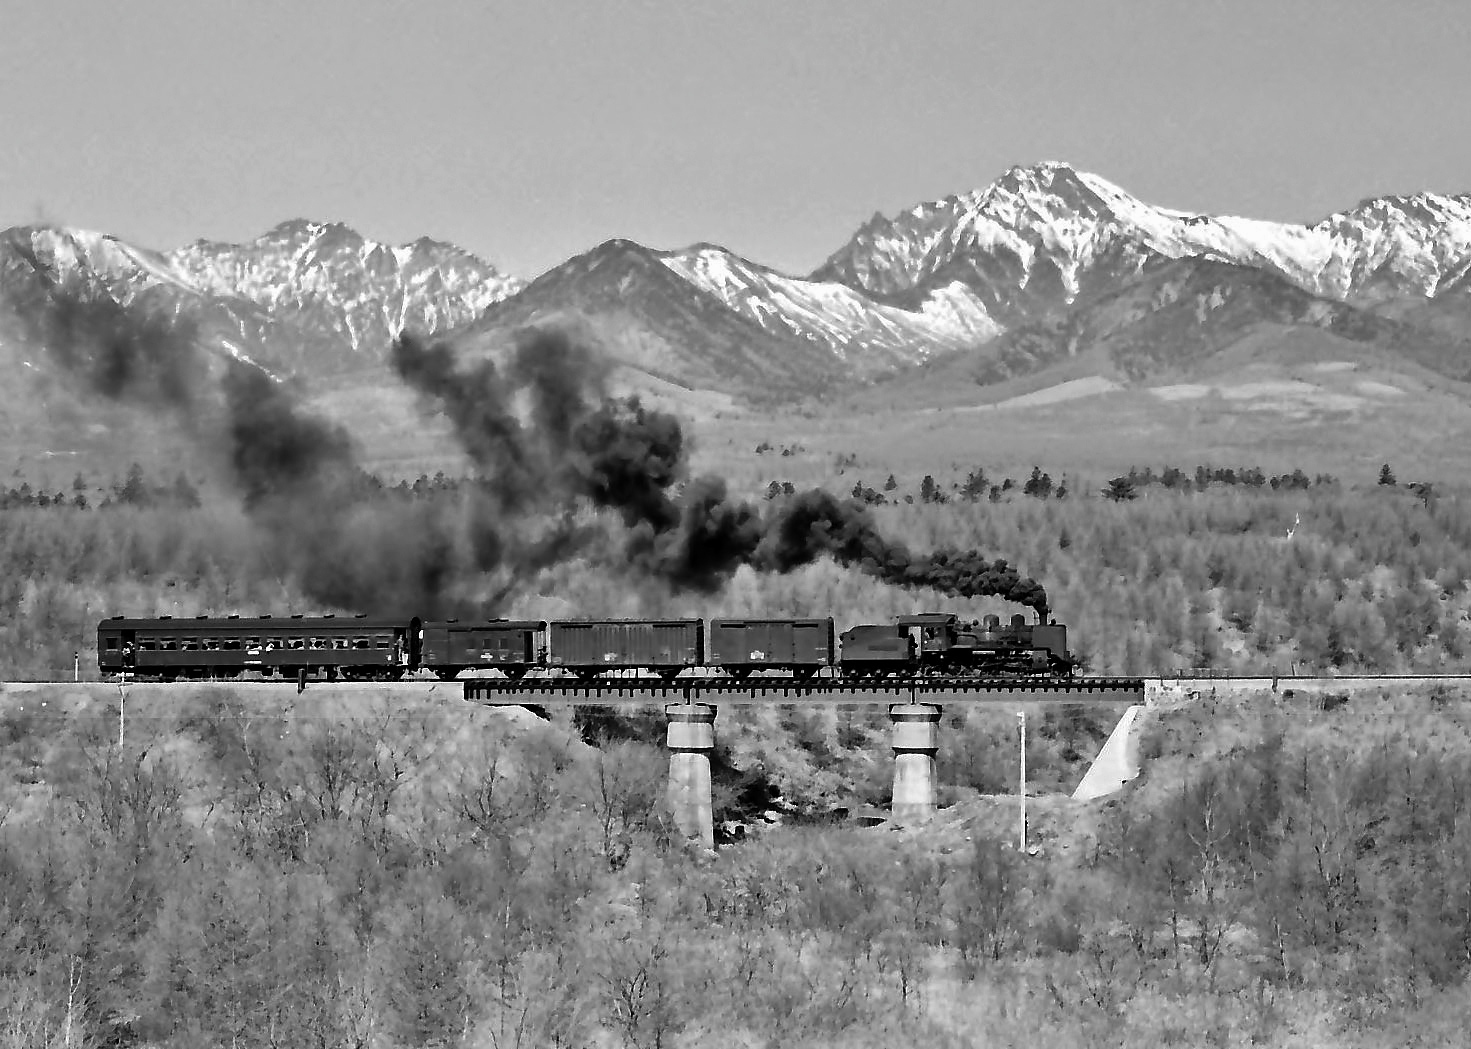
1021, 786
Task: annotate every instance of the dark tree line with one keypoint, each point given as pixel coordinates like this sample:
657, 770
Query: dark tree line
1203, 477
977, 486
137, 489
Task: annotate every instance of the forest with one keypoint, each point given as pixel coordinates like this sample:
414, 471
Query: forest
418, 875
1243, 577
276, 872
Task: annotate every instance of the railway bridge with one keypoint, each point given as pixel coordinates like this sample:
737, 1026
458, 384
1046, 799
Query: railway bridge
914, 704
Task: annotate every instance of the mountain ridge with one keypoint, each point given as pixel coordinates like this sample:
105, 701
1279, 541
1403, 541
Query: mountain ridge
996, 275
302, 297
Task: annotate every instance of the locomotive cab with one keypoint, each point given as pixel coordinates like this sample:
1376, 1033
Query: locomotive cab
933, 634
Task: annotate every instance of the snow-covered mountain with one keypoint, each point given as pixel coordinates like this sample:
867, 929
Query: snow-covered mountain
40, 263
1040, 243
1047, 261
649, 317
338, 286
1041, 237
304, 297
871, 337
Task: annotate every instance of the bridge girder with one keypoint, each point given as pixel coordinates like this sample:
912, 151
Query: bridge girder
819, 691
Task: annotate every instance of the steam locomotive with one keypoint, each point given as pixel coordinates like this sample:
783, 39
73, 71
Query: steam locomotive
358, 648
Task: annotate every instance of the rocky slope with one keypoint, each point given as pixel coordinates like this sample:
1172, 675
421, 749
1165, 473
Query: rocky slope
1065, 261
1177, 314
651, 319
347, 295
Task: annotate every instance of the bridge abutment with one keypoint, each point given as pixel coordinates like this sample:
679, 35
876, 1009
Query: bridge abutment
691, 738
915, 738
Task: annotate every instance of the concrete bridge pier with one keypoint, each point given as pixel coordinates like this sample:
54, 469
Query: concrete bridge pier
915, 739
691, 737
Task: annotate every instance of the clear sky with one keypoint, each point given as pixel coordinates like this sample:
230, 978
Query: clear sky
529, 132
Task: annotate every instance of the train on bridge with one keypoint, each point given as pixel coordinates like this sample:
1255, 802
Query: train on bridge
362, 648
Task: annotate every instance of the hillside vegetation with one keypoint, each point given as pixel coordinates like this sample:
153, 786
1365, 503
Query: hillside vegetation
260, 872
1373, 578
266, 869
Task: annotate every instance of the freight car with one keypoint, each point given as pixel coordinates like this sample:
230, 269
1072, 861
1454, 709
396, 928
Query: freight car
800, 647
450, 647
589, 648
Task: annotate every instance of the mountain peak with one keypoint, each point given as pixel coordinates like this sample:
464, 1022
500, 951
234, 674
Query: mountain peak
304, 227
615, 249
1435, 208
1042, 170
1052, 188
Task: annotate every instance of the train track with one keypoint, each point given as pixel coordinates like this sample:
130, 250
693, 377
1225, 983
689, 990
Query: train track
821, 691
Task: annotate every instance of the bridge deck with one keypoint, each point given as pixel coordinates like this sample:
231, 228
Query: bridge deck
715, 691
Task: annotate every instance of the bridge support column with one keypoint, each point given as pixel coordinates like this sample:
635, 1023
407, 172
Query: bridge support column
691, 737
915, 739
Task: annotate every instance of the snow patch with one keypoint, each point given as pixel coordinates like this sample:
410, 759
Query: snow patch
1378, 389
1071, 390
834, 315
1272, 395
1091, 386
1184, 391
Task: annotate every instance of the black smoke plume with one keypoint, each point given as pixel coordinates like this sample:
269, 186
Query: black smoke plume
323, 521
543, 434
816, 523
277, 450
121, 352
715, 536
516, 451
579, 442
572, 440
626, 458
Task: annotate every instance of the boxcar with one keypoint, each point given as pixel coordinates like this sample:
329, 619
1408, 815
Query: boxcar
450, 646
801, 646
590, 647
167, 648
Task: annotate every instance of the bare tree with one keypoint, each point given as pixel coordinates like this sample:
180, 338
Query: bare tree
623, 787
